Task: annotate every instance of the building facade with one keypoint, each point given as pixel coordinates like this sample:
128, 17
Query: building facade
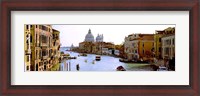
162, 38
159, 34
96, 47
39, 47
168, 46
158, 43
137, 46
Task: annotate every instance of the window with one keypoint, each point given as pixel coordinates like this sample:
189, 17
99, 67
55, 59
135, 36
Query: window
54, 43
27, 38
36, 39
173, 41
31, 26
31, 38
44, 39
43, 28
49, 41
39, 54
159, 49
53, 36
143, 51
45, 67
27, 68
35, 26
143, 45
44, 53
27, 58
36, 54
159, 39
27, 27
49, 53
167, 51
36, 67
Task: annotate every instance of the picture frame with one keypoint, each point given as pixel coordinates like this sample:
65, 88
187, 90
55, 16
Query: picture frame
99, 5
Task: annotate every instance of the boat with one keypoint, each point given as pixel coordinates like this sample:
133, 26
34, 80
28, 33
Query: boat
98, 58
120, 68
132, 61
72, 57
162, 68
83, 54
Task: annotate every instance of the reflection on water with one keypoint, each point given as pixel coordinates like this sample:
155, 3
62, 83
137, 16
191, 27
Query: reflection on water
88, 63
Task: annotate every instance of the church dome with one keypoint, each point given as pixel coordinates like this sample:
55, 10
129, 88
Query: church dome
89, 37
99, 38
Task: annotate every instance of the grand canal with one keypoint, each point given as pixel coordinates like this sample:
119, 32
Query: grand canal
107, 63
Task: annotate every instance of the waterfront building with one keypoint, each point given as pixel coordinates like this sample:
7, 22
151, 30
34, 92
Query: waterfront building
168, 43
119, 48
158, 42
116, 52
105, 51
159, 34
137, 46
27, 47
56, 47
86, 47
39, 47
91, 46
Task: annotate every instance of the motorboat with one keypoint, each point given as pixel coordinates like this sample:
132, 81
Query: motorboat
120, 68
98, 58
162, 68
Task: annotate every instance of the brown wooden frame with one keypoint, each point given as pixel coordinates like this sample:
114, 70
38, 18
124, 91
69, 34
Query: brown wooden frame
99, 5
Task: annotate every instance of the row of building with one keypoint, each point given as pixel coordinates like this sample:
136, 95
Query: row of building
160, 45
89, 45
42, 45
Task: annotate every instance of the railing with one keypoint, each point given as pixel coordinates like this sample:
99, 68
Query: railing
44, 57
28, 51
43, 44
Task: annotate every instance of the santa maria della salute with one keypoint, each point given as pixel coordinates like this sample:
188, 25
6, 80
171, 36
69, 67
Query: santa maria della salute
95, 46
90, 38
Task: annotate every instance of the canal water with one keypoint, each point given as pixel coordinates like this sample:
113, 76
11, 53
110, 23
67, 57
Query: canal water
88, 63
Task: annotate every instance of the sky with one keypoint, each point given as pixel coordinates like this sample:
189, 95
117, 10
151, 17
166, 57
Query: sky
74, 34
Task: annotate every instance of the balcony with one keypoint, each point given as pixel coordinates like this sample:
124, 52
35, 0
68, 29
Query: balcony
28, 52
43, 44
44, 57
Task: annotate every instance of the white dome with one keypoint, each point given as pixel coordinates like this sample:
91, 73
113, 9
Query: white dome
89, 37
